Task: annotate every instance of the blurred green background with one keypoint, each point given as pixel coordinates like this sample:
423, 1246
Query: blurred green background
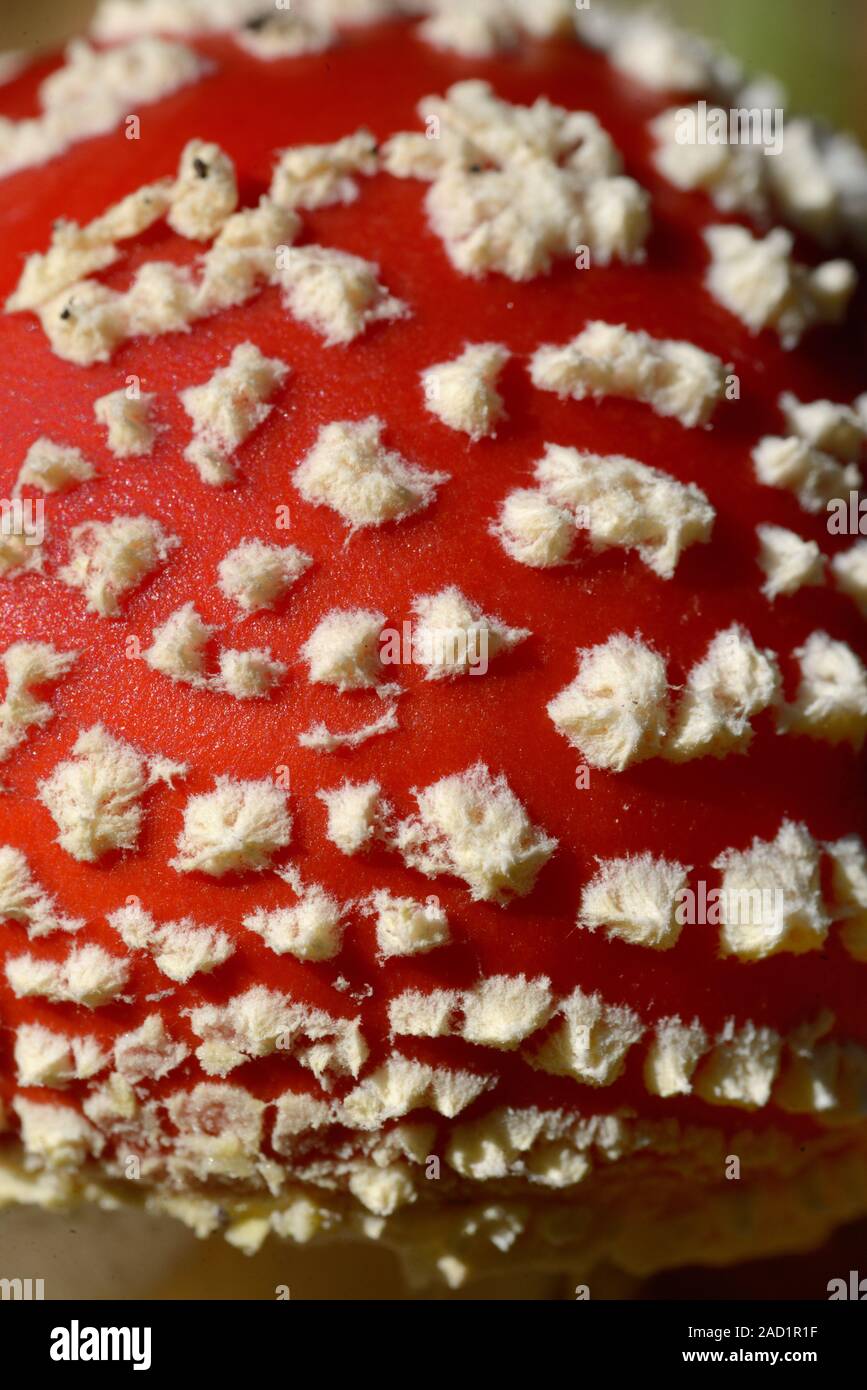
819, 49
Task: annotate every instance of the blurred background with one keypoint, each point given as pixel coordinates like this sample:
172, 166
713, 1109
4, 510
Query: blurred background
818, 50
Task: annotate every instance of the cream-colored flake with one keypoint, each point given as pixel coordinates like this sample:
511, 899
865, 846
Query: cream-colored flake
179, 949
761, 284
235, 828
849, 893
615, 711
814, 477
243, 258
324, 740
53, 467
219, 1132
502, 1010
649, 48
452, 636
284, 34
473, 826
833, 428
55, 1136
354, 814
812, 1079
107, 559
205, 193
123, 19
312, 929
849, 569
607, 359
733, 174
261, 1022
85, 321
178, 646
533, 531
227, 408
314, 176
88, 976
592, 1041
831, 703
343, 649
20, 553
419, 1015
513, 188
296, 1113
401, 1085
248, 675
798, 174
741, 1067
733, 682
149, 1052
45, 1058
635, 899
257, 575
673, 1056
24, 900
28, 665
91, 93
788, 562
463, 393
492, 26
93, 796
350, 470
405, 927
623, 503
382, 1190
128, 421
337, 294
772, 897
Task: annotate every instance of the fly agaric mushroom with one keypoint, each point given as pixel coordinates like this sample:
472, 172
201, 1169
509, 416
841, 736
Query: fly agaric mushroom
435, 685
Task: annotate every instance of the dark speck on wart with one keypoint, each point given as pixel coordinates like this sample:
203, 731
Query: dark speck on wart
66, 313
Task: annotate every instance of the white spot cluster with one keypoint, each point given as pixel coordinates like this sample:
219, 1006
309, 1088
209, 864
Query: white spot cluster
817, 461
463, 393
513, 188
24, 900
674, 378
128, 422
616, 710
350, 470
473, 826
108, 559
256, 575
52, 467
179, 649
90, 95
179, 949
94, 796
760, 282
236, 828
617, 501
28, 666
227, 408
261, 1022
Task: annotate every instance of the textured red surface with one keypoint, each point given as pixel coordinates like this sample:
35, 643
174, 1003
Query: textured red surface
689, 812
